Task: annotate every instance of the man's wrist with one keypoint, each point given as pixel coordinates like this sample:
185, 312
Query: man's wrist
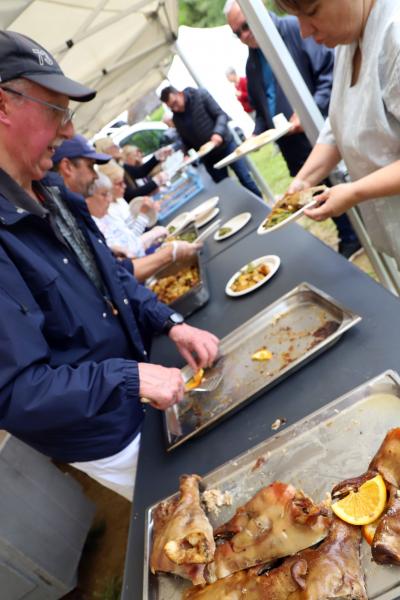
173, 320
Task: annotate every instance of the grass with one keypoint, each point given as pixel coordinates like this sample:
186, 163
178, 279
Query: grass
272, 167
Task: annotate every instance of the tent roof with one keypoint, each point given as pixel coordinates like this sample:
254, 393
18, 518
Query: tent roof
119, 47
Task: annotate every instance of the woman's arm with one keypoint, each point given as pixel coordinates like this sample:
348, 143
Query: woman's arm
321, 161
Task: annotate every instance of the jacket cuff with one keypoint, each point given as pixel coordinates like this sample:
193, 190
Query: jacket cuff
131, 372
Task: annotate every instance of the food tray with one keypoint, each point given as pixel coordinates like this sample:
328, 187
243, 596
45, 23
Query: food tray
332, 444
295, 328
197, 296
186, 187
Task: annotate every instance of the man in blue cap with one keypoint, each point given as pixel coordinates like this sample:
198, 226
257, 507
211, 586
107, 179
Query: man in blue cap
75, 326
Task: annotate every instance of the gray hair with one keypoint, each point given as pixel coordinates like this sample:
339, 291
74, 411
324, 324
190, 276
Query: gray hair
102, 181
228, 6
230, 71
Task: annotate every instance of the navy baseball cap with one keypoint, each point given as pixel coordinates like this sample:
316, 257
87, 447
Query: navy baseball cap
22, 57
79, 147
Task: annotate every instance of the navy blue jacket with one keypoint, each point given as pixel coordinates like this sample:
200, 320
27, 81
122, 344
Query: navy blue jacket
69, 382
315, 63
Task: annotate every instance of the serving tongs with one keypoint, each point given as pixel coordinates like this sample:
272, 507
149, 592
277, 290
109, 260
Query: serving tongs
211, 379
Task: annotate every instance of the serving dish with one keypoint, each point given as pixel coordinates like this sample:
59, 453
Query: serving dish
312, 454
295, 328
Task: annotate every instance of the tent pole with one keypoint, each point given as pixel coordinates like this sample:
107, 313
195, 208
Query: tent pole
294, 87
255, 172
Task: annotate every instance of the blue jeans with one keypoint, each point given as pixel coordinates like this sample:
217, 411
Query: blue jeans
240, 167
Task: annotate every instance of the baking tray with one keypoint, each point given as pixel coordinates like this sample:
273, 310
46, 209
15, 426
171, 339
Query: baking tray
197, 296
334, 443
295, 328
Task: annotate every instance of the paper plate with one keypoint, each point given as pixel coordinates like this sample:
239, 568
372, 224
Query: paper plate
179, 222
293, 217
235, 224
134, 209
207, 217
273, 263
204, 208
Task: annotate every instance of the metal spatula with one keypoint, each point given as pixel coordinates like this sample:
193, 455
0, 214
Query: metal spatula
211, 380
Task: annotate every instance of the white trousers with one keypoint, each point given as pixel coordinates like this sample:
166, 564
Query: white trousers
117, 472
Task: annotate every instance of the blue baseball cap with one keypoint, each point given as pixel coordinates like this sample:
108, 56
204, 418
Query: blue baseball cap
79, 147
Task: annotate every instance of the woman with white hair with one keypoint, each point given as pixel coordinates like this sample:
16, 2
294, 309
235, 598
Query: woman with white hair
126, 243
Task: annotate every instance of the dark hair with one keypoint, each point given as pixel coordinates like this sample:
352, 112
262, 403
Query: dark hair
166, 92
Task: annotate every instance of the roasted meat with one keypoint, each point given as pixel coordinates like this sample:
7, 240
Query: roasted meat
183, 541
330, 571
386, 542
278, 521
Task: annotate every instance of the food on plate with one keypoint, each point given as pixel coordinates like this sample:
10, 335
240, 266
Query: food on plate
250, 276
330, 571
172, 287
278, 521
368, 531
183, 541
385, 546
262, 354
171, 229
194, 381
365, 504
224, 231
290, 204
186, 236
207, 147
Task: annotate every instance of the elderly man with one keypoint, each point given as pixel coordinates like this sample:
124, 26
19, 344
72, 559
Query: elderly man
199, 119
315, 63
75, 326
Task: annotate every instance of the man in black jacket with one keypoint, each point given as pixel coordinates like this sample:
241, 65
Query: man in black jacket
199, 119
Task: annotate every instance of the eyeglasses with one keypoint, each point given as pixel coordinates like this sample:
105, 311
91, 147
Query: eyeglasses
67, 113
242, 29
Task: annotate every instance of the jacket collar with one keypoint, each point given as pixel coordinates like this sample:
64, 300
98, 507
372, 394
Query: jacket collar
15, 203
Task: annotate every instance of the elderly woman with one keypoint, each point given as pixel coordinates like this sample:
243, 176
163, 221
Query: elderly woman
363, 126
125, 242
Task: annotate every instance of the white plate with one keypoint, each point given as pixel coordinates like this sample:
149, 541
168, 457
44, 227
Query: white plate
262, 231
207, 217
134, 208
235, 224
204, 208
266, 137
180, 222
205, 148
273, 263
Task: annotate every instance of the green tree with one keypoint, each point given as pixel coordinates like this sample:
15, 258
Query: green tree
206, 13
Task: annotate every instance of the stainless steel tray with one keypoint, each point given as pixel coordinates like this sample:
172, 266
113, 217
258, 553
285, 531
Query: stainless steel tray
197, 296
333, 443
295, 328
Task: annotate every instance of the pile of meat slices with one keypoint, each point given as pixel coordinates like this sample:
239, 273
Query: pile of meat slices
238, 560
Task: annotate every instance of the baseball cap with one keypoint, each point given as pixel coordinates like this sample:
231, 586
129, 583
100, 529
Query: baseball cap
22, 57
79, 147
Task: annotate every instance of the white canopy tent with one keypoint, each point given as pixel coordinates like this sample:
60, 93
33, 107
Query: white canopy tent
119, 47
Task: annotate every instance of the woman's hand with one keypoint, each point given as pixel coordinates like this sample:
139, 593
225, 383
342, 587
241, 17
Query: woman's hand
333, 202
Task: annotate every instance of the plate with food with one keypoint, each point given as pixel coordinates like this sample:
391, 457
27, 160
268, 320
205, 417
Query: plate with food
232, 226
179, 223
289, 208
253, 275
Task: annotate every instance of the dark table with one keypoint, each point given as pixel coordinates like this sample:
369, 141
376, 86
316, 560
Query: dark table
362, 353
233, 199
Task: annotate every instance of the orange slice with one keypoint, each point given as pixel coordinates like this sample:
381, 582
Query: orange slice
194, 381
262, 354
368, 531
364, 506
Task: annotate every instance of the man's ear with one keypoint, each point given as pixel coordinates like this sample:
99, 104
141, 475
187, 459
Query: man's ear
65, 167
5, 105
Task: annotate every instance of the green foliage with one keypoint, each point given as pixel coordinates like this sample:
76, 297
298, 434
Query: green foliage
207, 13
157, 114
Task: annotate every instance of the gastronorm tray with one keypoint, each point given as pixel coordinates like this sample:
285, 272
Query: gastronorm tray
333, 443
295, 328
197, 296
